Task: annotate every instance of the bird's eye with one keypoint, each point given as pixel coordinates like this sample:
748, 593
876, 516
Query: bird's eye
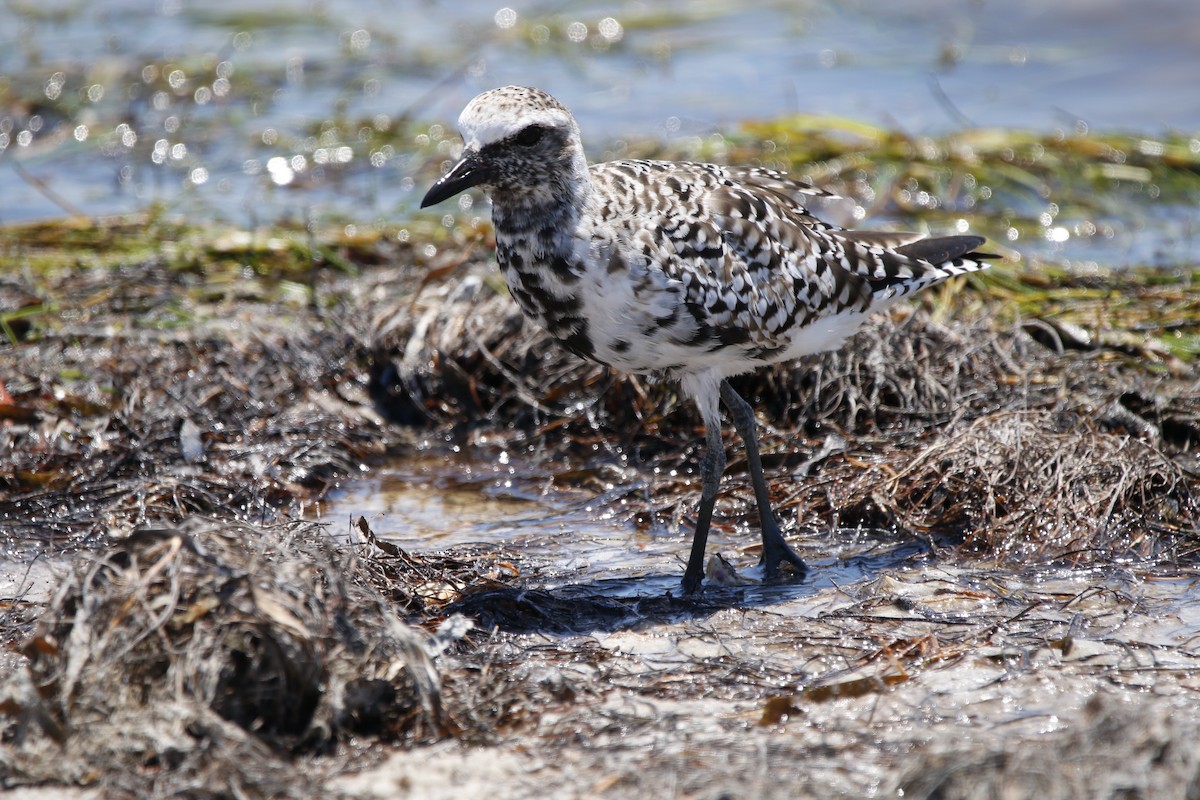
530, 136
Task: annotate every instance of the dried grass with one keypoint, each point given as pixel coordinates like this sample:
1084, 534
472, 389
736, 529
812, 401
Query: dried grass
1029, 484
128, 421
198, 661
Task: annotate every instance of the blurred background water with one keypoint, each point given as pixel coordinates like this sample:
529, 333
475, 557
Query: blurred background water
322, 111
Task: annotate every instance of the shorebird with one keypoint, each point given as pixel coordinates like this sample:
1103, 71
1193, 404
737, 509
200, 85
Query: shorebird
696, 272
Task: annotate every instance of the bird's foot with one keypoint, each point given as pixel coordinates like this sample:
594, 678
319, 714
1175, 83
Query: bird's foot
776, 552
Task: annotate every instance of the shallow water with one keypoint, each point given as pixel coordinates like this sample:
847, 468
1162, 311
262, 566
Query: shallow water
439, 502
297, 110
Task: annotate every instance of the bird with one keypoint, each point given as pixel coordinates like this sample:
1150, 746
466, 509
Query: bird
688, 271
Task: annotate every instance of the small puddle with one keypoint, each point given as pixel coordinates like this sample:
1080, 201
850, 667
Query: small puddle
434, 502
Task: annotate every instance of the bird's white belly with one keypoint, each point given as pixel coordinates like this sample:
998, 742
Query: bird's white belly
622, 326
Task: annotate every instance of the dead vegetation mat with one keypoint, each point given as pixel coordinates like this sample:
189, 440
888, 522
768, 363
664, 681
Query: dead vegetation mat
203, 645
145, 396
196, 661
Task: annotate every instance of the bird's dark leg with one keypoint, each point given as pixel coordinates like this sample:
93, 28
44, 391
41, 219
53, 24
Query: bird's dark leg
775, 548
711, 467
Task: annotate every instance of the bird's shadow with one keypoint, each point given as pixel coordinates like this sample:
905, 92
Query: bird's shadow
609, 605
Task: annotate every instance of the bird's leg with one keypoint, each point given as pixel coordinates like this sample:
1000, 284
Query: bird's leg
711, 467
775, 548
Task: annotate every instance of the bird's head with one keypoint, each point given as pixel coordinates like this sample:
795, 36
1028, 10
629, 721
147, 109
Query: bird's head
520, 145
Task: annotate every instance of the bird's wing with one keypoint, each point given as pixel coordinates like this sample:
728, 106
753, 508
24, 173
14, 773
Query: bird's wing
752, 262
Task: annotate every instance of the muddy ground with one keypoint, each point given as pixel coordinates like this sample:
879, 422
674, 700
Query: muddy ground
1010, 467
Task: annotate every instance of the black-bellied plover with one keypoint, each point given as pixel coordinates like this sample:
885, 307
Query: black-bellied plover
696, 272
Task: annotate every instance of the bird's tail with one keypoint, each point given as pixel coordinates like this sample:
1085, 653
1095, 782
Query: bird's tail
935, 260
